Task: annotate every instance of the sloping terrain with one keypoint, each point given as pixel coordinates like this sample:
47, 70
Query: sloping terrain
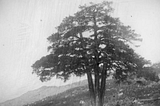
74, 96
41, 93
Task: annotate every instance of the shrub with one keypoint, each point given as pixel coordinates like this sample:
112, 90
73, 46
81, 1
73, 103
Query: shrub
148, 73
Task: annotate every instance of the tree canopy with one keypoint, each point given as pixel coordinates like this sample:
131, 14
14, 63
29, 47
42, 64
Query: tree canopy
92, 43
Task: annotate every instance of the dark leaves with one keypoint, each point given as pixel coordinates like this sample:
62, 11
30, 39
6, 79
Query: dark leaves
90, 38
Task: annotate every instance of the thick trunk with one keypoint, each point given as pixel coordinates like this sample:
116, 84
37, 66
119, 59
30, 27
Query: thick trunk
97, 97
103, 87
97, 85
91, 89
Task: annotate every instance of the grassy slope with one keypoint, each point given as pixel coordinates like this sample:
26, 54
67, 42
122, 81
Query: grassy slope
73, 96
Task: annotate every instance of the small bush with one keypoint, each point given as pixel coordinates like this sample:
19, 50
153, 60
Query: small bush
148, 74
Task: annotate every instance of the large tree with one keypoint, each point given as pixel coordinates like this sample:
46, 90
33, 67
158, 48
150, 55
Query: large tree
91, 43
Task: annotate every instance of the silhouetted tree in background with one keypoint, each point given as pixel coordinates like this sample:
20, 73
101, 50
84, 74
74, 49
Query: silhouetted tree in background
91, 43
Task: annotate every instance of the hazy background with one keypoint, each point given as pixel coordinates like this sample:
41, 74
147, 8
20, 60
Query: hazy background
25, 25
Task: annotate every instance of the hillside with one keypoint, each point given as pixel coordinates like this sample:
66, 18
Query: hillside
39, 94
125, 94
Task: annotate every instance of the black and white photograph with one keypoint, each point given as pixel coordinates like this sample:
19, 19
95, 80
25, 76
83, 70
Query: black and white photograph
79, 52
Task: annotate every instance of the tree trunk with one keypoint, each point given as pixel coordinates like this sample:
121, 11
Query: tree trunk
91, 88
97, 89
103, 87
97, 95
99, 100
96, 100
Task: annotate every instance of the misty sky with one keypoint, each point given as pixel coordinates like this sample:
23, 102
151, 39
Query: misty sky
25, 25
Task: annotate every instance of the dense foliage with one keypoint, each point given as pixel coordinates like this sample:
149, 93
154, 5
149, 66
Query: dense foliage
92, 43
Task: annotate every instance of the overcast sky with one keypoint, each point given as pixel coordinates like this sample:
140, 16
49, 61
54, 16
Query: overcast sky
25, 25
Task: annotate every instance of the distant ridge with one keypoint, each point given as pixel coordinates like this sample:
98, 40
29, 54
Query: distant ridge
40, 93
